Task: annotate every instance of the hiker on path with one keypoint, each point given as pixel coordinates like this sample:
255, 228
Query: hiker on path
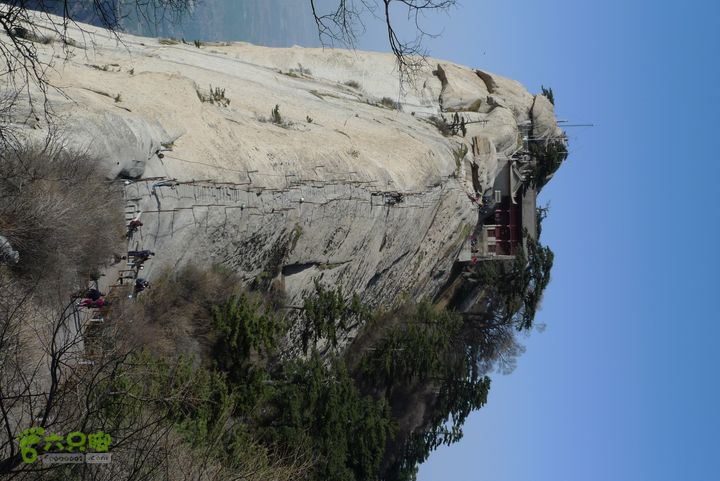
94, 294
141, 256
133, 226
141, 284
116, 258
94, 303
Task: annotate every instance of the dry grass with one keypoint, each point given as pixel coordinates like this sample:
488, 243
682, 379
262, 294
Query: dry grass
32, 35
59, 212
175, 314
389, 103
214, 96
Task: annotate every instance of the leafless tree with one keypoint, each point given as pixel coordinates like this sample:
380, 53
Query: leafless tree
55, 375
345, 21
41, 349
50, 375
24, 24
63, 373
51, 201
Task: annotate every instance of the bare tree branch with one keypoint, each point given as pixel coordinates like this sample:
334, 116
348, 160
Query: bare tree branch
27, 24
344, 23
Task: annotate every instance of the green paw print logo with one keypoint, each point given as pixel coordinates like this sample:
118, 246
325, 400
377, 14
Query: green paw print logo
37, 439
30, 438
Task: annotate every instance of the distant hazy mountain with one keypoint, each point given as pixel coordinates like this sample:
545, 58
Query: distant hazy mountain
274, 23
267, 22
81, 10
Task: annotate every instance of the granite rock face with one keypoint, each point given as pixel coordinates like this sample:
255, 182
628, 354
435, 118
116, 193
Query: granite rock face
7, 253
340, 186
543, 118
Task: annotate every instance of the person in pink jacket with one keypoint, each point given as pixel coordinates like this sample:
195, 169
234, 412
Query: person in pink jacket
94, 303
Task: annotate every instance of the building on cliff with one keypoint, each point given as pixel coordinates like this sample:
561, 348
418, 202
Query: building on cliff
375, 199
509, 212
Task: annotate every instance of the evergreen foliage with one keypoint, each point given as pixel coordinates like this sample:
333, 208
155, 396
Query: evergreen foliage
456, 400
250, 403
541, 214
275, 116
327, 311
548, 92
413, 351
428, 348
515, 290
549, 156
244, 329
447, 128
322, 407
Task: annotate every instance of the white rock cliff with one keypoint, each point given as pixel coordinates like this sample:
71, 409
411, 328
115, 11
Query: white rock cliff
343, 187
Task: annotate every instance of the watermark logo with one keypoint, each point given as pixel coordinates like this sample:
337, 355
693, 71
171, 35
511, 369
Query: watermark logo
98, 458
36, 444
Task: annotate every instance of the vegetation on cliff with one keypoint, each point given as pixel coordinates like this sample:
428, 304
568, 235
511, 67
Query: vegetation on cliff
549, 156
233, 404
209, 376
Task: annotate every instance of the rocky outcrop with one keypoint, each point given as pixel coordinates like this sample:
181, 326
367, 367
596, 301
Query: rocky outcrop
462, 91
7, 253
123, 142
510, 94
543, 119
485, 160
341, 186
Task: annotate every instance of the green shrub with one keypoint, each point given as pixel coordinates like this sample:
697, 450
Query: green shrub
549, 156
448, 129
327, 311
244, 328
30, 35
319, 406
459, 155
548, 92
214, 96
389, 103
275, 116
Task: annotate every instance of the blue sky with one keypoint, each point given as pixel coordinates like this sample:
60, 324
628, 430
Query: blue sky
623, 384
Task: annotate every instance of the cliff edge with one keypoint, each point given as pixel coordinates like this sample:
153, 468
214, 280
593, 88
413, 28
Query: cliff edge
289, 165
